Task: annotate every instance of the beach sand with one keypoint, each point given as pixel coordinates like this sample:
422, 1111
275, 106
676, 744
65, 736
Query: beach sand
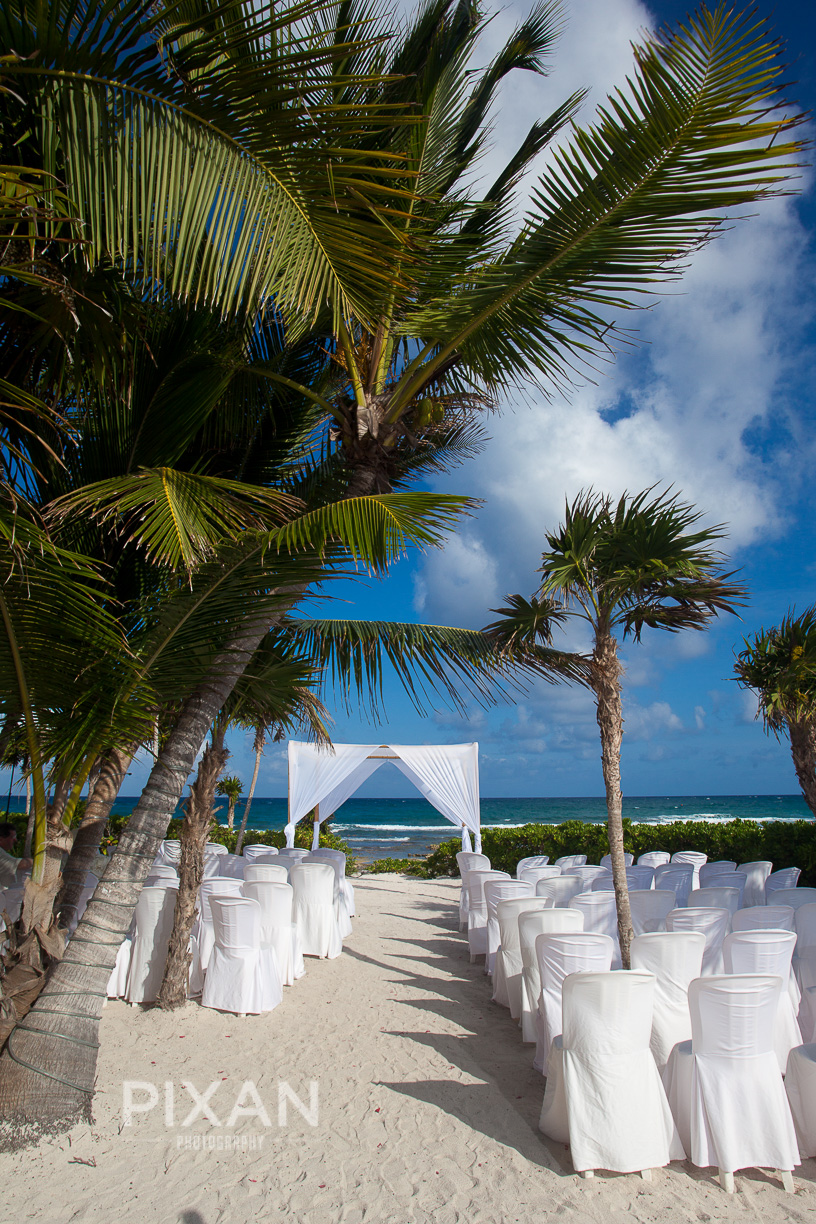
425, 1107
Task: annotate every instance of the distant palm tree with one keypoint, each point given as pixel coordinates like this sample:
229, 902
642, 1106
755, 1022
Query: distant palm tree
622, 568
779, 664
232, 787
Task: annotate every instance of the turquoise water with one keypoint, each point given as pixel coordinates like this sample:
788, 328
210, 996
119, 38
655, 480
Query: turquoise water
382, 827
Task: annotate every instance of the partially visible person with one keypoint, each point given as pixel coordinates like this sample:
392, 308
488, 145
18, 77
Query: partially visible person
11, 868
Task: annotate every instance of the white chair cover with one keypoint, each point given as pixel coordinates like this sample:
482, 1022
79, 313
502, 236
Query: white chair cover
558, 956
628, 859
295, 852
636, 877
163, 871
273, 872
679, 877
674, 957
494, 892
531, 875
787, 877
467, 861
693, 857
763, 918
477, 909
589, 874
714, 898
650, 908
252, 852
654, 858
769, 953
171, 851
805, 965
717, 867
794, 897
341, 910
724, 1086
276, 899
757, 873
559, 889
314, 912
533, 860
243, 974
713, 923
804, 919
800, 1086
215, 848
232, 865
203, 938
531, 925
154, 925
601, 915
339, 859
212, 865
117, 982
604, 1096
571, 860
507, 971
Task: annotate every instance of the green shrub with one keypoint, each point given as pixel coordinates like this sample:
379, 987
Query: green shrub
406, 866
784, 843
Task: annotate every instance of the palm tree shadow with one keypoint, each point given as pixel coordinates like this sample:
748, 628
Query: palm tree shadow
191, 1217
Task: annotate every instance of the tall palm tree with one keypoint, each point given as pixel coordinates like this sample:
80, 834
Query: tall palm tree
779, 665
621, 568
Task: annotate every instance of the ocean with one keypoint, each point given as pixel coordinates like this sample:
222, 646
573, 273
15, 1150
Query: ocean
382, 828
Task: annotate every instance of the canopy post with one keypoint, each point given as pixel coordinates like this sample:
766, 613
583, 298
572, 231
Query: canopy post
316, 829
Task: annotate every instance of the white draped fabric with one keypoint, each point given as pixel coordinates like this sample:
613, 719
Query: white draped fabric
447, 775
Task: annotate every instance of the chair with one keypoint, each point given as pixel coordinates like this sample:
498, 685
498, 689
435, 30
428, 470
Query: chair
714, 898
314, 912
636, 877
800, 1087
713, 923
601, 915
794, 897
589, 874
757, 873
531, 875
649, 908
243, 975
215, 848
603, 1095
559, 889
171, 851
339, 859
341, 910
163, 871
494, 892
232, 865
276, 899
571, 860
769, 953
724, 1086
679, 877
692, 858
297, 852
675, 958
726, 879
212, 865
531, 925
252, 852
477, 909
153, 927
654, 858
273, 872
763, 918
533, 860
628, 859
467, 861
718, 867
804, 961
203, 936
558, 955
507, 970
787, 877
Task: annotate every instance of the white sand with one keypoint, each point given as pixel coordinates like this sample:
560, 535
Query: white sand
427, 1102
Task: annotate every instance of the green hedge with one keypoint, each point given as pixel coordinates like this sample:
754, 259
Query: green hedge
785, 843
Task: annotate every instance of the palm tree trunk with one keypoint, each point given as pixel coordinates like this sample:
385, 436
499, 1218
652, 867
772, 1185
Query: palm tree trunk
803, 750
47, 1070
606, 673
112, 772
29, 837
231, 813
194, 832
260, 733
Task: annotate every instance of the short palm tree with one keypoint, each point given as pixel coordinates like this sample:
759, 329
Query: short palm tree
233, 788
779, 664
621, 568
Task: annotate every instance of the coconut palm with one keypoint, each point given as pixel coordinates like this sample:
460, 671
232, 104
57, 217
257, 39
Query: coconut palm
233, 788
779, 665
622, 567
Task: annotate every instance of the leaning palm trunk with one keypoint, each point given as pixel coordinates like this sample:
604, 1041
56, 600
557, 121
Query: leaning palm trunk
29, 837
47, 1070
606, 671
259, 743
194, 832
802, 733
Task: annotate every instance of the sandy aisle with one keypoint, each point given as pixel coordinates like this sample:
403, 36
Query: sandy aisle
426, 1106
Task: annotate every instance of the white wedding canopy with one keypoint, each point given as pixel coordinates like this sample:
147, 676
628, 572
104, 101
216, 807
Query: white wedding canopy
324, 778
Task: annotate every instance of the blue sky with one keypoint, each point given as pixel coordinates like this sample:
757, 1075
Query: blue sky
719, 401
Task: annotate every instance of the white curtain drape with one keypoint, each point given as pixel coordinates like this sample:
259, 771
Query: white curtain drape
447, 775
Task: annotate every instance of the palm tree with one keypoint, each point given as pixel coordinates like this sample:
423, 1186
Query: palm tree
232, 787
620, 568
779, 664
259, 739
